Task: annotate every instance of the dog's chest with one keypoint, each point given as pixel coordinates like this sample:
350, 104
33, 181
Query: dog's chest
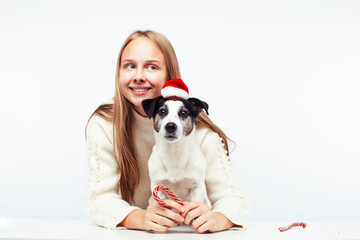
187, 164
181, 188
182, 173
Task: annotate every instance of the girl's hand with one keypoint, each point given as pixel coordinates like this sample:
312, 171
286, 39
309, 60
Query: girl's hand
160, 219
204, 219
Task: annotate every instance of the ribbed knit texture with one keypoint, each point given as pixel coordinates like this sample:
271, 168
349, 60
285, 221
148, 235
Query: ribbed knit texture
144, 137
104, 203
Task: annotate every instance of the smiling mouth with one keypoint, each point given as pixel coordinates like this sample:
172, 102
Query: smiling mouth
140, 90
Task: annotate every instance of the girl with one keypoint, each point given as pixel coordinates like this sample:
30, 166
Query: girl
120, 140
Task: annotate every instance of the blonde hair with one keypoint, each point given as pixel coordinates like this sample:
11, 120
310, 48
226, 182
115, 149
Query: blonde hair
120, 114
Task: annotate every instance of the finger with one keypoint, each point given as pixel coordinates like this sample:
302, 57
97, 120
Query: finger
191, 215
194, 213
188, 206
201, 220
165, 212
171, 215
206, 227
152, 226
174, 205
164, 221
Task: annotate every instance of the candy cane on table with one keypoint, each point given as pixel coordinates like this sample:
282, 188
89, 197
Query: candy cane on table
297, 224
170, 193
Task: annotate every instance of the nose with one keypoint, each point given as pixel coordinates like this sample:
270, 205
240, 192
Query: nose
170, 127
139, 76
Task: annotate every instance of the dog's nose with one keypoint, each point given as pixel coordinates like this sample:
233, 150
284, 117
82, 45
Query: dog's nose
170, 127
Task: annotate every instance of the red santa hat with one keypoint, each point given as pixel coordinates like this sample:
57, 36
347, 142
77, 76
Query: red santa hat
175, 89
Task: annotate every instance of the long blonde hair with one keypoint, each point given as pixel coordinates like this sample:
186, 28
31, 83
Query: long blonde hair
120, 114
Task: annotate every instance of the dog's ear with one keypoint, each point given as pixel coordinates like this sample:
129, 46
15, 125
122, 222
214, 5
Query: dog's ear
199, 104
149, 106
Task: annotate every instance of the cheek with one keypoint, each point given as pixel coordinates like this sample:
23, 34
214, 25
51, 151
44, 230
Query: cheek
157, 90
124, 83
157, 80
124, 78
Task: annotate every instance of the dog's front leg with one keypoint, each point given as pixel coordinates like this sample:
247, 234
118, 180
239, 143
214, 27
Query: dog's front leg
198, 193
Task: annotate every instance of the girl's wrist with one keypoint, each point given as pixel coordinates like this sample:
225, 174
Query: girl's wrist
134, 220
223, 221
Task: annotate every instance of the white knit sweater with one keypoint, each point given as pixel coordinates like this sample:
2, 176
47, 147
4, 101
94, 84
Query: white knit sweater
104, 203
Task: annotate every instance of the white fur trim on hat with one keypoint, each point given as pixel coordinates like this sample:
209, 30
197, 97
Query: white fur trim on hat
172, 91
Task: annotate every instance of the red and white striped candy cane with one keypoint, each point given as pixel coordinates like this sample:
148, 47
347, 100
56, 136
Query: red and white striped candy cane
170, 193
297, 224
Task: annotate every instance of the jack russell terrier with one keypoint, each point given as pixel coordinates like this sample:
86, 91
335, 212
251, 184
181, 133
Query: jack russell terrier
176, 161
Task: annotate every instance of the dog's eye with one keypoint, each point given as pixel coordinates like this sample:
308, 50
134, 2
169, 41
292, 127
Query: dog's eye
162, 112
184, 113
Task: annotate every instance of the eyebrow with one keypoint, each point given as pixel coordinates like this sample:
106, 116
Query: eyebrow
147, 61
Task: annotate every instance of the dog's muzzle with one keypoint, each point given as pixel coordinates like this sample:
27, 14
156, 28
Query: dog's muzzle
170, 127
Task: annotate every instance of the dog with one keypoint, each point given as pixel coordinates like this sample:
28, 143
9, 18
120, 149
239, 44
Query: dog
176, 161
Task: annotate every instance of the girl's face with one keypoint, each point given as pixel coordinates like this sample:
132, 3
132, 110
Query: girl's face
142, 72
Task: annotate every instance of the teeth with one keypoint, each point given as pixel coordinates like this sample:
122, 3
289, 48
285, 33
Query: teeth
140, 89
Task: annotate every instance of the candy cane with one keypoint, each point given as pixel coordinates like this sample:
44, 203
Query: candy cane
170, 193
297, 224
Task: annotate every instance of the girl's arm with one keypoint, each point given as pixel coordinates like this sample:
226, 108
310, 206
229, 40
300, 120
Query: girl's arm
104, 203
222, 187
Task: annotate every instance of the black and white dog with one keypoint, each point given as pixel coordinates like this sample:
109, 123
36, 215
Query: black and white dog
176, 161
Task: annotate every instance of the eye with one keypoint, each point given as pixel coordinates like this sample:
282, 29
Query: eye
184, 113
152, 67
130, 66
162, 112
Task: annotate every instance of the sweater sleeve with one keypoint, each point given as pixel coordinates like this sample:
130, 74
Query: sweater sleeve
222, 187
104, 203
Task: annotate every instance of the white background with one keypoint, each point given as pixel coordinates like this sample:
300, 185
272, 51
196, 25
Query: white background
281, 79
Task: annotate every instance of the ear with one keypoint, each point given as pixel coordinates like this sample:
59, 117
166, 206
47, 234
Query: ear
149, 106
199, 104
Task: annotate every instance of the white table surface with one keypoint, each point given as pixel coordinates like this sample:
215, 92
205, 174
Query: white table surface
76, 229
